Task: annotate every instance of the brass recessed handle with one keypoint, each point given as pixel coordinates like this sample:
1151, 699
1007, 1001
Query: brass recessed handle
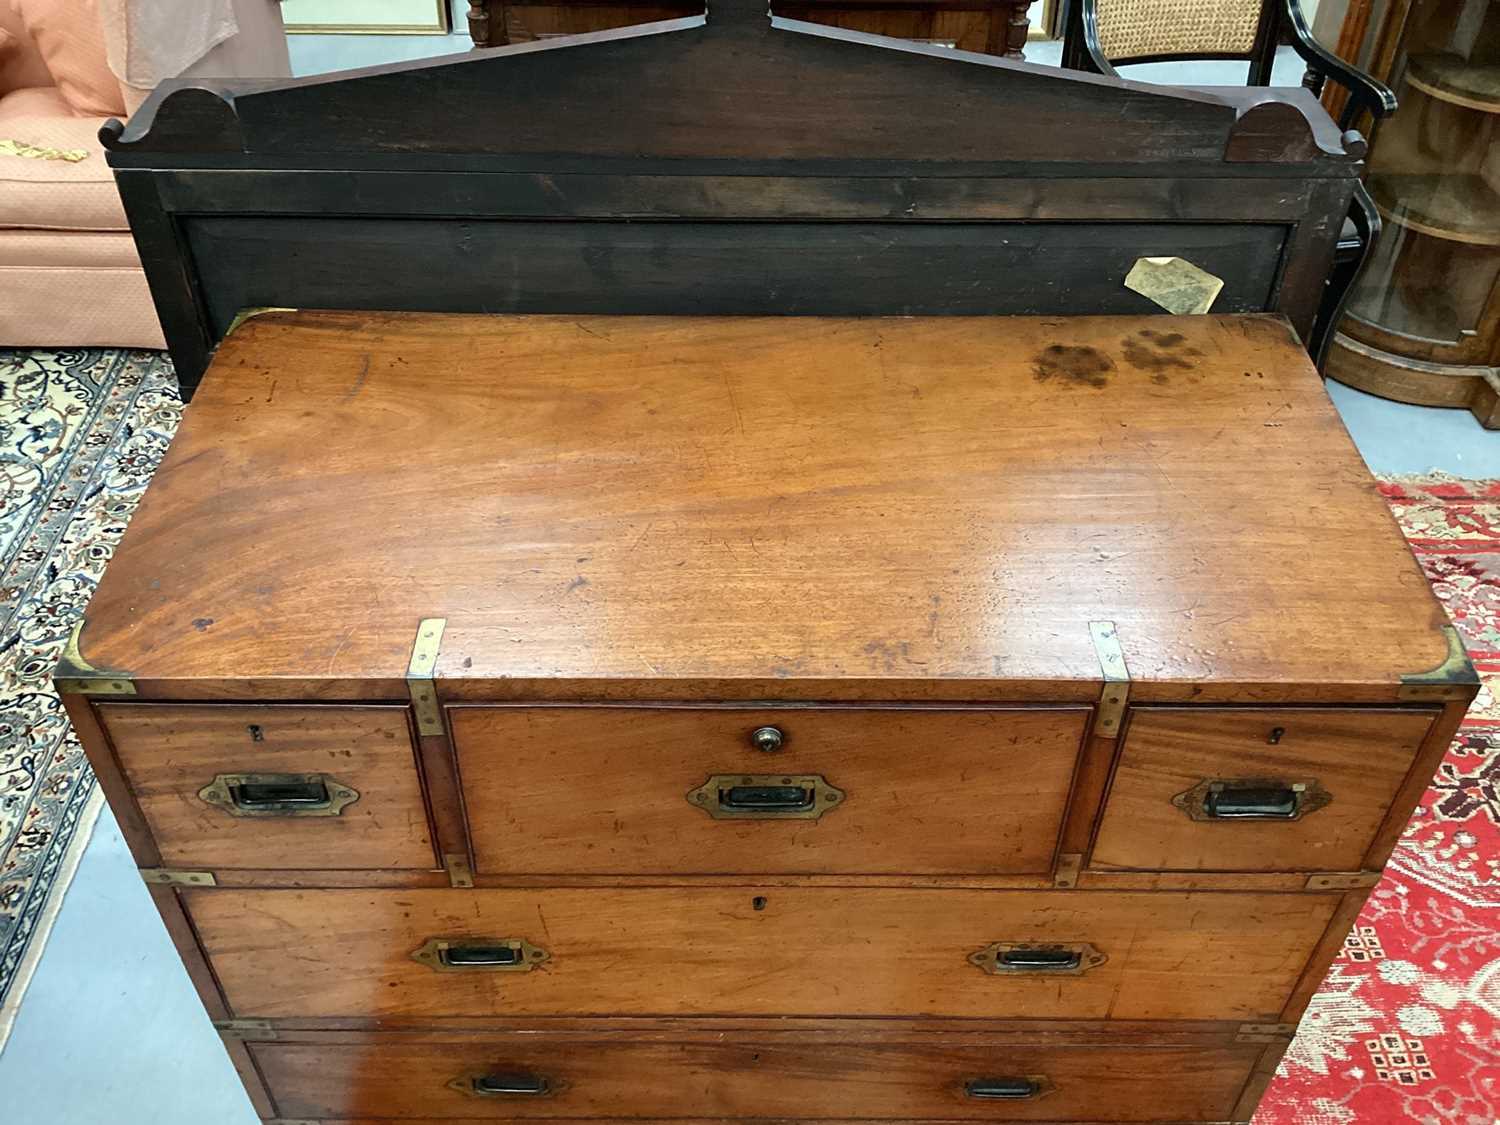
767, 796
1015, 1089
505, 1084
1225, 799
279, 794
1063, 959
477, 954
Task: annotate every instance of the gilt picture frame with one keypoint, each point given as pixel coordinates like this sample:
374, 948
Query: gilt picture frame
366, 17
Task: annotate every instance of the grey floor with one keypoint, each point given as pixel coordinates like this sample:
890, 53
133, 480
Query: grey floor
111, 1032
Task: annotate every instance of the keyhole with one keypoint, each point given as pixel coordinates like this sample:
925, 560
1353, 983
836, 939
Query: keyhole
758, 902
256, 734
1275, 736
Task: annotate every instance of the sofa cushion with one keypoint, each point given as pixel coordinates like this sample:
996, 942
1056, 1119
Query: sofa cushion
71, 38
55, 194
21, 64
73, 290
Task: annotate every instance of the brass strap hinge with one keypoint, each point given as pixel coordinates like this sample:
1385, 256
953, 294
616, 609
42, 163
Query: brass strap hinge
1116, 679
1264, 1032
1065, 874
420, 673
74, 675
1341, 880
168, 877
460, 874
245, 1029
1453, 679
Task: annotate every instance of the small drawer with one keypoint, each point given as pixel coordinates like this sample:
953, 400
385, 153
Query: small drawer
768, 790
275, 787
1254, 789
757, 951
745, 1075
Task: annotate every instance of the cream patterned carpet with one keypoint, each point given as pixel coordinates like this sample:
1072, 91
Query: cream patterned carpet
81, 432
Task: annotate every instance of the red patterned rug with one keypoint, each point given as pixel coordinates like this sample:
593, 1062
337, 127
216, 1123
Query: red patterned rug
1407, 1025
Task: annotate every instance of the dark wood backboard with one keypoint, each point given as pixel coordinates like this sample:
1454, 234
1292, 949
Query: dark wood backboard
721, 164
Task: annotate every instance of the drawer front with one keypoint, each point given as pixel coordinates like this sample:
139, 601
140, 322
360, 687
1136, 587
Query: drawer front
275, 787
744, 1076
801, 951
839, 790
1217, 789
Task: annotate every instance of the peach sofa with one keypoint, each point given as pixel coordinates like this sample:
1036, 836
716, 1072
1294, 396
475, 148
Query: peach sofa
69, 273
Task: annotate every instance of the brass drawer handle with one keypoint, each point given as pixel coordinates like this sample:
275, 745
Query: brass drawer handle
1013, 1089
1252, 799
483, 955
1007, 958
279, 794
769, 796
505, 1084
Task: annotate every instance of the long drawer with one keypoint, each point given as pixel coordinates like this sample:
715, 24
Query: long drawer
768, 790
742, 1075
827, 951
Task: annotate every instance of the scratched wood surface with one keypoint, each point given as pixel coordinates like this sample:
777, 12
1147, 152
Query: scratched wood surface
771, 507
745, 1076
747, 951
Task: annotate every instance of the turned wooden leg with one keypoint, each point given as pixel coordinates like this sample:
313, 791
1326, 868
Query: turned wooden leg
1009, 23
479, 23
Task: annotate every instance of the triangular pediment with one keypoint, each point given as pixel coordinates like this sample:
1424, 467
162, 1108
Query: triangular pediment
737, 90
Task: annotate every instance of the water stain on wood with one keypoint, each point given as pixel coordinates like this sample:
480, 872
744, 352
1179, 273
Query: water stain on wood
1158, 353
1073, 365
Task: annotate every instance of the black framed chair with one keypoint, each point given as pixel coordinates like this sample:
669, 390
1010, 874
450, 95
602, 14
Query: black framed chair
1099, 35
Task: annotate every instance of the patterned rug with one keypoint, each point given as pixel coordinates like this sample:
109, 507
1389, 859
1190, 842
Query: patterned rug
1407, 1025
1406, 1028
81, 432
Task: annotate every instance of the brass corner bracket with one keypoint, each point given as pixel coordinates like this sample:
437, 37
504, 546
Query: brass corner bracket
73, 675
1264, 1032
245, 1029
1116, 693
421, 672
1341, 880
171, 877
250, 313
1453, 679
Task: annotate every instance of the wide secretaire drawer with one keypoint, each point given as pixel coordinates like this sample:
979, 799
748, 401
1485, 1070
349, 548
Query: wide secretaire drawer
765, 790
752, 1075
762, 951
274, 786
1255, 788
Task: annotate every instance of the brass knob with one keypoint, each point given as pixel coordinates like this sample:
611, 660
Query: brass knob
768, 739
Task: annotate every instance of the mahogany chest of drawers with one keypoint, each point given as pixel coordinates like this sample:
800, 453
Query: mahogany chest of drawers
927, 719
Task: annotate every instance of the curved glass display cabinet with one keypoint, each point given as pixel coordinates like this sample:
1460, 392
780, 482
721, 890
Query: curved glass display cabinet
1423, 321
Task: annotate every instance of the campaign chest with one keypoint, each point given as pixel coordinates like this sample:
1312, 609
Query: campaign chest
921, 719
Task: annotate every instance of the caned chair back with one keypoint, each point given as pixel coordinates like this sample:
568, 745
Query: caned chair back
1140, 29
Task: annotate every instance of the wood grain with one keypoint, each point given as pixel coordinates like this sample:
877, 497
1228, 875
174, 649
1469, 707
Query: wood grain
746, 508
746, 268
169, 753
745, 1076
733, 951
1361, 757
587, 790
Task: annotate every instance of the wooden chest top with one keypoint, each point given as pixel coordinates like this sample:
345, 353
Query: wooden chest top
748, 508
